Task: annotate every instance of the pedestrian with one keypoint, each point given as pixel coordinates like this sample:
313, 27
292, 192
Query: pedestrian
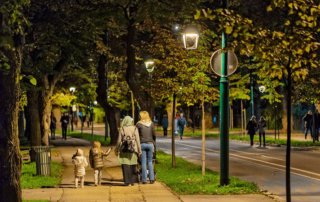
165, 123
88, 120
176, 126
262, 130
64, 125
96, 161
308, 123
317, 124
53, 126
251, 128
80, 163
182, 122
147, 140
128, 148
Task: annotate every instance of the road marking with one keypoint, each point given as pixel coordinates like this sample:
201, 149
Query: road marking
272, 164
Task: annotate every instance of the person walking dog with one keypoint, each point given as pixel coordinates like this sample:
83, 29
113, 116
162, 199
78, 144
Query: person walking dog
251, 128
262, 130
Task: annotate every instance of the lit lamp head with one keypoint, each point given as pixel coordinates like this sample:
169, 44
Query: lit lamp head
191, 37
95, 102
72, 89
150, 65
262, 89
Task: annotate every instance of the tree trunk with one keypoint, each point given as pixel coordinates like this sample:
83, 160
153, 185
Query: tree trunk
102, 100
10, 157
28, 131
33, 116
21, 125
257, 105
285, 112
56, 111
169, 108
146, 102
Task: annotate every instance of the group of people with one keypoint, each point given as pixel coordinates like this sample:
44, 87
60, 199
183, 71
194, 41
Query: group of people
65, 120
179, 124
260, 126
308, 124
133, 142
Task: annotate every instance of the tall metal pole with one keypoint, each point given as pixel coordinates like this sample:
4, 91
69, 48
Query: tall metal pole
132, 102
91, 111
288, 152
242, 118
314, 125
107, 86
172, 132
193, 121
251, 94
224, 110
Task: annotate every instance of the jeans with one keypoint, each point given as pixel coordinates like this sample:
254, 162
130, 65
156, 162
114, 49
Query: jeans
181, 131
264, 139
53, 133
165, 132
306, 131
147, 151
64, 132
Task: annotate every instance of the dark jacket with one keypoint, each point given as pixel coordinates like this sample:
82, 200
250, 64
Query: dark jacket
64, 121
251, 127
165, 122
147, 132
317, 120
308, 120
53, 123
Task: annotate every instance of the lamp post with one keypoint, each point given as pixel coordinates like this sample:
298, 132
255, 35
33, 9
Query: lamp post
150, 68
72, 90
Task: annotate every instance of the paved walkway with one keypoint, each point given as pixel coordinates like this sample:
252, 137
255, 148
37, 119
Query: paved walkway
113, 189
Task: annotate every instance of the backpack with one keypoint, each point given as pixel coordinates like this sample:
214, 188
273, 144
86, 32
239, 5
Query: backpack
181, 122
128, 143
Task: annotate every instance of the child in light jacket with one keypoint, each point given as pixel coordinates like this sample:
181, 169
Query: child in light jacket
80, 163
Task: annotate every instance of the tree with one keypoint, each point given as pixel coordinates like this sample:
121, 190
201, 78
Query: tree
12, 22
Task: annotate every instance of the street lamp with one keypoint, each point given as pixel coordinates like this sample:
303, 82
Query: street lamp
262, 89
191, 37
72, 90
150, 67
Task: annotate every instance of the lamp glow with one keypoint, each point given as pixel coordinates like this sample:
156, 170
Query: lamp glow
150, 66
191, 37
262, 89
72, 89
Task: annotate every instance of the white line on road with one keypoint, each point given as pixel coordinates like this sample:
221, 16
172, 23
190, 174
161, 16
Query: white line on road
272, 164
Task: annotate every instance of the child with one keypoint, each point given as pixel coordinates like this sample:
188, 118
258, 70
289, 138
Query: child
80, 163
96, 161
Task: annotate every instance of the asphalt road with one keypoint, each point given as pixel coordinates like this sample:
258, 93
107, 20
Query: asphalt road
266, 167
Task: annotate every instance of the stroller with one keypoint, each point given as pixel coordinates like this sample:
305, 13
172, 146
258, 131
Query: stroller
139, 168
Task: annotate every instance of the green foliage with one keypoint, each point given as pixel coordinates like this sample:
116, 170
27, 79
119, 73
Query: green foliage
29, 179
63, 98
186, 179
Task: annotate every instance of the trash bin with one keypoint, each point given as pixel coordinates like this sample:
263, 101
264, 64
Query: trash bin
43, 159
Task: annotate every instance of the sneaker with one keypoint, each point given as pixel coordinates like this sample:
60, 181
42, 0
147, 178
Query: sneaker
96, 184
99, 183
151, 181
144, 182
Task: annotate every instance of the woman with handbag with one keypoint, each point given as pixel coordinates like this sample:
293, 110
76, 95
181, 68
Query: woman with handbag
147, 139
251, 128
128, 147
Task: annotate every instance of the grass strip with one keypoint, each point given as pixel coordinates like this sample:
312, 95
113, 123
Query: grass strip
87, 136
30, 179
269, 140
186, 179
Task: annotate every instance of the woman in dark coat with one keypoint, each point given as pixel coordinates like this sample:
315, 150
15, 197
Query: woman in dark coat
251, 128
165, 124
53, 126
